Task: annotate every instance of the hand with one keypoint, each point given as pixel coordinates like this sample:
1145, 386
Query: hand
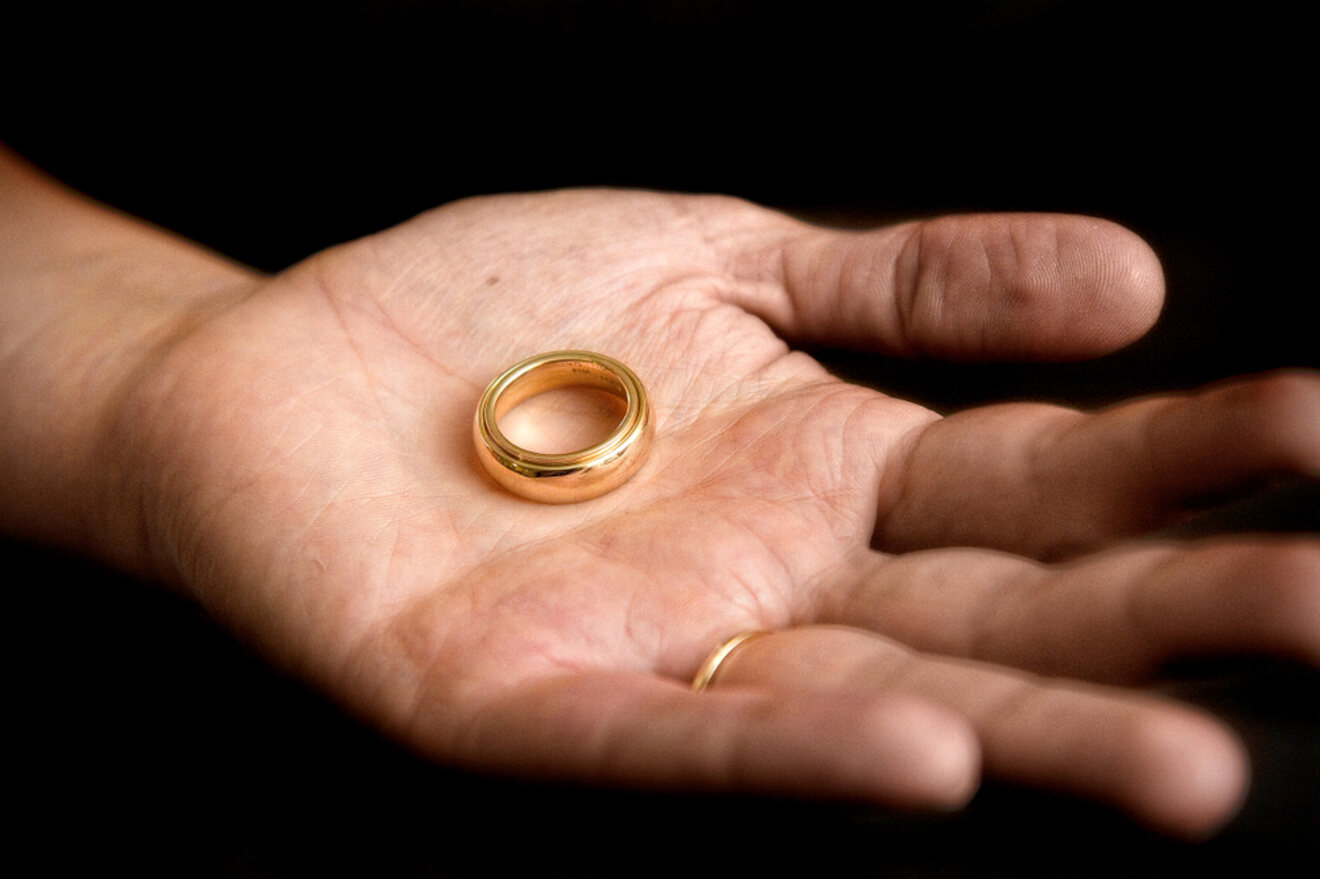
946, 596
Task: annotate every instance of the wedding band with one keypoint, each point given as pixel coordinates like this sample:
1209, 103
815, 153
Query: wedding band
706, 673
572, 476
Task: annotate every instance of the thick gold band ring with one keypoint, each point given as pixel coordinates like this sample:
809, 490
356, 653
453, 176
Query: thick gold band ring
571, 476
708, 669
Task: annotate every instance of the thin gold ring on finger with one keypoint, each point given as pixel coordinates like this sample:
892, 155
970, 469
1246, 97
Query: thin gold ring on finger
568, 477
706, 674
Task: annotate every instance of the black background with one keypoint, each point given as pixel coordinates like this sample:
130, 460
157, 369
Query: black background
271, 130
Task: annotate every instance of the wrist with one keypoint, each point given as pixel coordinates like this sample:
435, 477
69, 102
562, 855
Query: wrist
89, 299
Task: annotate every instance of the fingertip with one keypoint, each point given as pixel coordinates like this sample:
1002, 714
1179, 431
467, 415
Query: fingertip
1283, 417
1190, 776
926, 755
1128, 291
953, 767
1085, 286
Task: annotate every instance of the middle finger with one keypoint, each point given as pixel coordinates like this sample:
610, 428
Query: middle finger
1117, 616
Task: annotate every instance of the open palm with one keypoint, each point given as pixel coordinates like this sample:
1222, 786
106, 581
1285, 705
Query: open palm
934, 586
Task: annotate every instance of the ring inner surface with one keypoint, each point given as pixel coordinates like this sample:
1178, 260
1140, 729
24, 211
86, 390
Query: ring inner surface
557, 375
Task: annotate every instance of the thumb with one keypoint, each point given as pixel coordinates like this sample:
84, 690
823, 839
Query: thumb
976, 287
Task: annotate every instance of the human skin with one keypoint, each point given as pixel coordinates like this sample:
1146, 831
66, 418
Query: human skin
946, 597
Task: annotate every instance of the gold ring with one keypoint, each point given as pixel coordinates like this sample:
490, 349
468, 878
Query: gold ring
706, 673
571, 476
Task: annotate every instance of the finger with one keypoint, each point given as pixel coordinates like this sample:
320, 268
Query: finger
1048, 481
1120, 616
640, 730
997, 286
1167, 765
